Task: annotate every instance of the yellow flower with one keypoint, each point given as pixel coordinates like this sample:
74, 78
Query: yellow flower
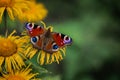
37, 12
23, 74
43, 57
13, 7
11, 52
54, 57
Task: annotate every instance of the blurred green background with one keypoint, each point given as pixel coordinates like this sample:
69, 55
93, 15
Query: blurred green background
94, 26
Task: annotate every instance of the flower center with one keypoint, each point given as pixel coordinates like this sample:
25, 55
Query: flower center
15, 77
6, 3
7, 47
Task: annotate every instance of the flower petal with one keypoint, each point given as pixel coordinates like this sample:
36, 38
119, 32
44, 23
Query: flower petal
10, 13
1, 13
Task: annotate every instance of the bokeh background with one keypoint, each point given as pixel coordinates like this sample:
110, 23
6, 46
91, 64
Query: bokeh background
94, 26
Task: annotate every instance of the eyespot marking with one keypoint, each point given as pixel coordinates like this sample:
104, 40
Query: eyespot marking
29, 26
67, 40
55, 47
34, 39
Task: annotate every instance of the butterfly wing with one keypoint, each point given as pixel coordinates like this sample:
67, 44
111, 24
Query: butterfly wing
45, 39
37, 42
34, 29
56, 41
35, 32
61, 39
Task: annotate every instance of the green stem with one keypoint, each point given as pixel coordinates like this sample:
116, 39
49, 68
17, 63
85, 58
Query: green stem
5, 22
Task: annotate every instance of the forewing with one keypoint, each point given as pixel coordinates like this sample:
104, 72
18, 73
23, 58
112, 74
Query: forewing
34, 29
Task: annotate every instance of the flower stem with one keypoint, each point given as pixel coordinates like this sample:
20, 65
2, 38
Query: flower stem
5, 22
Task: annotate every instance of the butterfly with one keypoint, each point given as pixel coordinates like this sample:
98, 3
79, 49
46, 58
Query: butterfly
45, 40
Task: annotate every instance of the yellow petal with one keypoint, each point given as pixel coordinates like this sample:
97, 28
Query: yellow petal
48, 57
8, 65
57, 59
1, 13
63, 51
60, 56
38, 57
53, 59
19, 60
28, 49
42, 59
12, 34
14, 63
10, 13
17, 11
32, 53
1, 62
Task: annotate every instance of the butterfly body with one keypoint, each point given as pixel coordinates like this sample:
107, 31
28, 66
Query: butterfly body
46, 40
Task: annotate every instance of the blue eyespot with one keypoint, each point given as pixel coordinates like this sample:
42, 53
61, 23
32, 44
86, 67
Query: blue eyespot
34, 39
55, 46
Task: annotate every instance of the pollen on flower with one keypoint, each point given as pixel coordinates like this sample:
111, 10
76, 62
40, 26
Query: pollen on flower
7, 47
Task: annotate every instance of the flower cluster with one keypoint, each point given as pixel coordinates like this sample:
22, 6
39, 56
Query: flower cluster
24, 10
15, 49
